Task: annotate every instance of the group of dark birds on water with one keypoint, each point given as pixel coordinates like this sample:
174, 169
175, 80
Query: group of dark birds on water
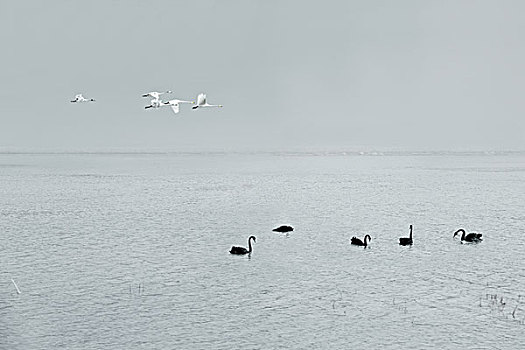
470, 238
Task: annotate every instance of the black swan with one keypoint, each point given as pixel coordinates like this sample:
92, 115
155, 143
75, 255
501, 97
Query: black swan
405, 240
357, 241
283, 228
471, 237
242, 250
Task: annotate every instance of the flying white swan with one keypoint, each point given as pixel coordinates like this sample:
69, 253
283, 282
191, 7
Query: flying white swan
174, 104
155, 94
80, 98
201, 102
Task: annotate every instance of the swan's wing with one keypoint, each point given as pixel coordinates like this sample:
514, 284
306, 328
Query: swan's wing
356, 241
175, 107
238, 250
474, 237
152, 94
470, 237
155, 103
201, 99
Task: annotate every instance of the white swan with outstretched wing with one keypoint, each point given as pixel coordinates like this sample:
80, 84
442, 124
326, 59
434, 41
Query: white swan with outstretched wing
155, 94
80, 98
201, 102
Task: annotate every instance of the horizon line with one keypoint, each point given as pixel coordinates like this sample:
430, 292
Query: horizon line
311, 152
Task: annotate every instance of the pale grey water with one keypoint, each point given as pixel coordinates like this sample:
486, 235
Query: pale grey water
125, 251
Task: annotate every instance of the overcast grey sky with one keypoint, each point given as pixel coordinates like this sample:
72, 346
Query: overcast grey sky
291, 74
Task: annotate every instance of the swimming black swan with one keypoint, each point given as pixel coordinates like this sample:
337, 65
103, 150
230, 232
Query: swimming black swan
242, 250
357, 241
405, 240
471, 237
283, 228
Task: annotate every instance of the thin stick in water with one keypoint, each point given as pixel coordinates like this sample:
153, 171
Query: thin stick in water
17, 290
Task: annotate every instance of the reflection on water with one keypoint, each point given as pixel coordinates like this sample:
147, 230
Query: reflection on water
123, 250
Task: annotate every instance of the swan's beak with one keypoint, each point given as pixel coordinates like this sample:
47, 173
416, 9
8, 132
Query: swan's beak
220, 105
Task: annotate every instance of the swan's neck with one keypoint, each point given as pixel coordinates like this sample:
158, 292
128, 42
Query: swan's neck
410, 232
365, 240
463, 235
249, 245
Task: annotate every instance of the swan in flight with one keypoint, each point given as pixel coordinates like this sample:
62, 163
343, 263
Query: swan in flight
155, 94
174, 104
80, 98
201, 102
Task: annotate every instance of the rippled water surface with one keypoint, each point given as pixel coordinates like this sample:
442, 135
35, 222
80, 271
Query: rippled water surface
125, 251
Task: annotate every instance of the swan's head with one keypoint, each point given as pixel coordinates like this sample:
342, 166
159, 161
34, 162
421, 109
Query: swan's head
220, 105
254, 239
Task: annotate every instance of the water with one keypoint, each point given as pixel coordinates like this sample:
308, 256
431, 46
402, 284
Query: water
124, 251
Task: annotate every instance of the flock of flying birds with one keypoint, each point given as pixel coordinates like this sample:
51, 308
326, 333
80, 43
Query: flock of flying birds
156, 102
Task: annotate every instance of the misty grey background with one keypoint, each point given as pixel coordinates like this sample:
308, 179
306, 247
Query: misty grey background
291, 74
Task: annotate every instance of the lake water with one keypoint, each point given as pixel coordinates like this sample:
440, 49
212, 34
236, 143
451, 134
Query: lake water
130, 251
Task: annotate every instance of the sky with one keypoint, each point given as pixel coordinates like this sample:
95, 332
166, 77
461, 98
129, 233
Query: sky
292, 75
